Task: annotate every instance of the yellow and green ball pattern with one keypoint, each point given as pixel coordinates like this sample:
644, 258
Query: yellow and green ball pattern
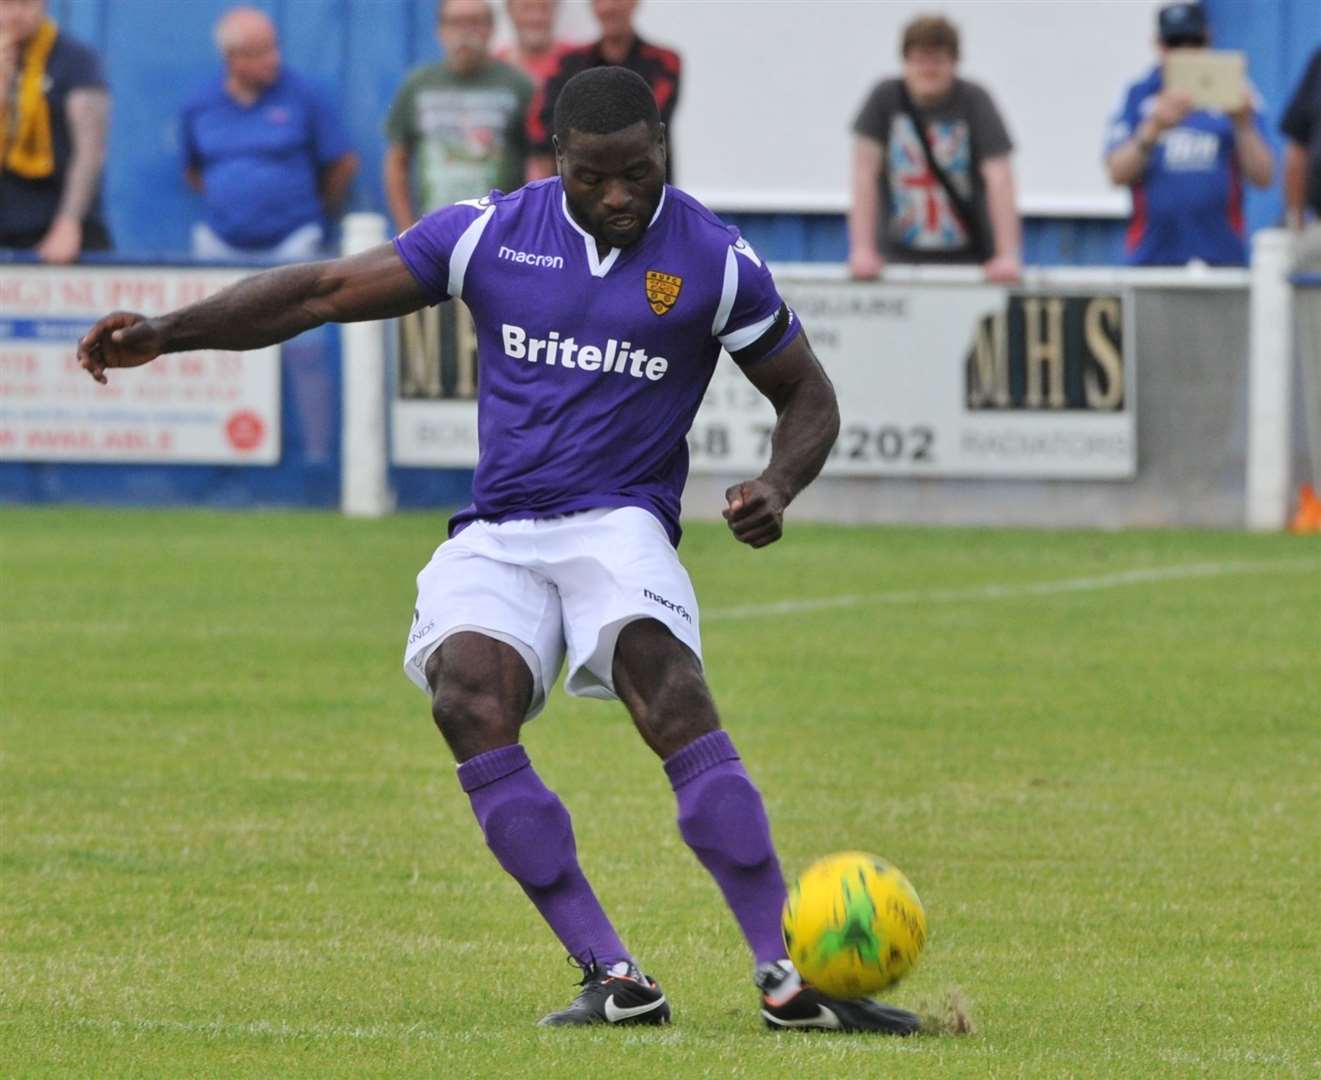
853, 924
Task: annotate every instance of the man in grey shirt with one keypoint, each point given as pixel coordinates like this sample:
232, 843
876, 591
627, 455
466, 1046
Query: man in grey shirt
951, 200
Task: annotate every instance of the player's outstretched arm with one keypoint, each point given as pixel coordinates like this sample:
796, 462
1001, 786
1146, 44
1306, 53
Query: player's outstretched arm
261, 310
806, 426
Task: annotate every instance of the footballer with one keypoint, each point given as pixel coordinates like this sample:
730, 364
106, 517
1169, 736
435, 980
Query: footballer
602, 298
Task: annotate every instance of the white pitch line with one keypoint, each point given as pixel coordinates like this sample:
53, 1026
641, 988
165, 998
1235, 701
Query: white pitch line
1009, 591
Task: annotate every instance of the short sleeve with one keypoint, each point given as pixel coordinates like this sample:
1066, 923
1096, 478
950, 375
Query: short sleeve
437, 248
1300, 116
84, 71
1122, 124
873, 119
330, 141
990, 136
752, 321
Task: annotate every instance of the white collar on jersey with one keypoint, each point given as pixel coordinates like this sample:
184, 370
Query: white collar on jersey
599, 266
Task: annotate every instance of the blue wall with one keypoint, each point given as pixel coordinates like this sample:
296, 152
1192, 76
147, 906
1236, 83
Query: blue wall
1279, 37
158, 51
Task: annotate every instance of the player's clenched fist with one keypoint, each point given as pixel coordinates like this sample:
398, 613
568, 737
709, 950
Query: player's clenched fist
121, 339
755, 512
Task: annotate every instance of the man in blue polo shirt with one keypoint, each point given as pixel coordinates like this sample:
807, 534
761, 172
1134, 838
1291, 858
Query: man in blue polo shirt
265, 149
1185, 166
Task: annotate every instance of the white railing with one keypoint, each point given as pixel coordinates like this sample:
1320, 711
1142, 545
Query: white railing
364, 462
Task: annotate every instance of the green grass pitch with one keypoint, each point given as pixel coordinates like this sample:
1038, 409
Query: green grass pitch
233, 844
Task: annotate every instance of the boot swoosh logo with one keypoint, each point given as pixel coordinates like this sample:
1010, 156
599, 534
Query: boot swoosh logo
824, 1018
615, 1013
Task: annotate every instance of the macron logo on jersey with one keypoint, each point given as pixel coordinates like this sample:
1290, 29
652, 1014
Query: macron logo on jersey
550, 262
616, 356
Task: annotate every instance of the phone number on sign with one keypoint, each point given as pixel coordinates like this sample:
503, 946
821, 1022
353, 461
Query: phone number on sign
857, 442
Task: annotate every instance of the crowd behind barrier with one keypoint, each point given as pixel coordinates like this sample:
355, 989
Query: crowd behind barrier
360, 57
222, 135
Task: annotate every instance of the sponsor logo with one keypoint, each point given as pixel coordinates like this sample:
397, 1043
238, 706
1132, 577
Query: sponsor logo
824, 1018
678, 609
619, 357
244, 430
531, 258
1188, 150
615, 1013
421, 632
662, 290
1049, 354
742, 247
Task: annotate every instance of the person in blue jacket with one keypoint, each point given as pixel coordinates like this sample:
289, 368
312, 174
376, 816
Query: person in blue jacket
1185, 166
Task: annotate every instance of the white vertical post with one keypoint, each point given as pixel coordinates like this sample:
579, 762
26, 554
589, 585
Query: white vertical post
364, 475
1270, 360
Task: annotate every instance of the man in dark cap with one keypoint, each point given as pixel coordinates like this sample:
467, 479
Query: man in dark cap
1184, 165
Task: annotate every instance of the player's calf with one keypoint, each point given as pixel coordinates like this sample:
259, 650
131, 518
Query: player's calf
723, 820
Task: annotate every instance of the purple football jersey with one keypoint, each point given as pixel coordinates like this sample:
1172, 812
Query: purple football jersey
590, 368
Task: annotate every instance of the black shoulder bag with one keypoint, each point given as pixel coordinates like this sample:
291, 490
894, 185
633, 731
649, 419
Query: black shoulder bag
964, 210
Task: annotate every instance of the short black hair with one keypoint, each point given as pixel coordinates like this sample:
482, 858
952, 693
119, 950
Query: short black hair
603, 100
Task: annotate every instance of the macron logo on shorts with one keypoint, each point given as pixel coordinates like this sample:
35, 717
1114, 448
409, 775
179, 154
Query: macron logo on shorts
678, 609
531, 258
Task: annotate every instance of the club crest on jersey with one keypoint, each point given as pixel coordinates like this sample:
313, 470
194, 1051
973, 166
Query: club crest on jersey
662, 290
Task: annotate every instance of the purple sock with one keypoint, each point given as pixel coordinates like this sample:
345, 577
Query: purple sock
528, 830
722, 819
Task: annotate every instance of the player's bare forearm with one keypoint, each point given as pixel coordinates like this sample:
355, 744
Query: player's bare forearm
261, 310
807, 418
807, 423
278, 304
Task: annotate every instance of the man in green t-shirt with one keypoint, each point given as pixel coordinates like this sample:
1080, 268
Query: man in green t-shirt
456, 129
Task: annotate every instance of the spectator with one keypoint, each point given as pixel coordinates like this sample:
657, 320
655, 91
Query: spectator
1184, 165
932, 179
265, 148
619, 45
54, 104
1302, 164
535, 50
455, 129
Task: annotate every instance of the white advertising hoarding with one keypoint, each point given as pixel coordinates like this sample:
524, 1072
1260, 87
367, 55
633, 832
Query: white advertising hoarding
933, 380
205, 407
957, 380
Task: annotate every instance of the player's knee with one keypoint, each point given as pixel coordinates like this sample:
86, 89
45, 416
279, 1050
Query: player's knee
471, 719
532, 837
727, 818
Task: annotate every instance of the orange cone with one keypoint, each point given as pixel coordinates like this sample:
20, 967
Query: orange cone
1308, 517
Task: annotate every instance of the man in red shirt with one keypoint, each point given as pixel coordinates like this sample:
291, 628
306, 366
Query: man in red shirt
618, 45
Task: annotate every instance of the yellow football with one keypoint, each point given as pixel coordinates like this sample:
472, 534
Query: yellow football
853, 924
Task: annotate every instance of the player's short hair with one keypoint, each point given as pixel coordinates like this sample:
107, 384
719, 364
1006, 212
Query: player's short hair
931, 32
602, 100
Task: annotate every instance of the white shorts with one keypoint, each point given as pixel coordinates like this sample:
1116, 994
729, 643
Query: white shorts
542, 586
